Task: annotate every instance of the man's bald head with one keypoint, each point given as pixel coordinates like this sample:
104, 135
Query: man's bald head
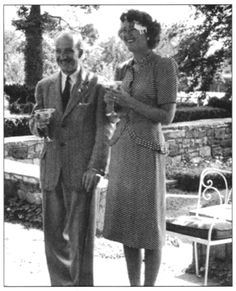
68, 52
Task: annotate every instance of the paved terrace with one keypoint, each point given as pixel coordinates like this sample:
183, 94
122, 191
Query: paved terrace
25, 263
24, 259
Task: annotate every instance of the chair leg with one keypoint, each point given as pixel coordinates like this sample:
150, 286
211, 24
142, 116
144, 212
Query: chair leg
196, 258
207, 264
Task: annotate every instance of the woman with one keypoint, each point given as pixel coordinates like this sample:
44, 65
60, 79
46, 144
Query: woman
135, 206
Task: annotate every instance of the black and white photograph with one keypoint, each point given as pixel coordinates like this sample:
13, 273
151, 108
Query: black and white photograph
117, 144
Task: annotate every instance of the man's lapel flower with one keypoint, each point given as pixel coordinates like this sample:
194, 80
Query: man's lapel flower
83, 86
82, 90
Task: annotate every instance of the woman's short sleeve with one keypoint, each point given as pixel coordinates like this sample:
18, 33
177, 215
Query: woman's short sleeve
166, 80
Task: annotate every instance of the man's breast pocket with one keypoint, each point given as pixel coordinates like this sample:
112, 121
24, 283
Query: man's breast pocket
82, 105
83, 109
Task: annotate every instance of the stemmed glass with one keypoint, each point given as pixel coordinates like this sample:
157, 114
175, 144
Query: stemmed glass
45, 115
110, 87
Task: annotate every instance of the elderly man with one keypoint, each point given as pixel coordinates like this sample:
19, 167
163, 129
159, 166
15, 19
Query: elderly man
73, 158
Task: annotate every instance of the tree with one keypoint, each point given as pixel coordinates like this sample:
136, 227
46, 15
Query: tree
103, 57
34, 24
196, 62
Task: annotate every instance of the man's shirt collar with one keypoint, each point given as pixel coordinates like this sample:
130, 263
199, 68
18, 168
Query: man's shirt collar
73, 78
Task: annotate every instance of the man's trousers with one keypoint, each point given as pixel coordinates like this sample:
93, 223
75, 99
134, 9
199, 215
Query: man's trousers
69, 229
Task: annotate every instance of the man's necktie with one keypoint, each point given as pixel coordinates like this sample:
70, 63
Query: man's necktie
66, 93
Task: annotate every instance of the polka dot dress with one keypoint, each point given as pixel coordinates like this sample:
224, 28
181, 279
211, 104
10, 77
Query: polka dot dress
135, 204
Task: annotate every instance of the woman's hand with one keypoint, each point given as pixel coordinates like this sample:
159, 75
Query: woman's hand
123, 98
163, 113
108, 97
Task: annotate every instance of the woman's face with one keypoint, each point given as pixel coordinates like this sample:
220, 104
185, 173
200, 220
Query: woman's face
134, 38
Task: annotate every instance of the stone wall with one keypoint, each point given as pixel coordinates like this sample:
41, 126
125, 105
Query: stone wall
199, 139
185, 140
23, 148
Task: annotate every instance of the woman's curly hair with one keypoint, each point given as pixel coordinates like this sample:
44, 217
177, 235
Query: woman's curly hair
153, 27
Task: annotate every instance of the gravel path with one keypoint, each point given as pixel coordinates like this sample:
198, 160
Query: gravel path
25, 265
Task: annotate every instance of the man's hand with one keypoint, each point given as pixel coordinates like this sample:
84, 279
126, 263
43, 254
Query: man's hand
42, 121
41, 124
90, 179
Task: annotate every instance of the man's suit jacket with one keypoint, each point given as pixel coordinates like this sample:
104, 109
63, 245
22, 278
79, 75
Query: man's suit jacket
80, 135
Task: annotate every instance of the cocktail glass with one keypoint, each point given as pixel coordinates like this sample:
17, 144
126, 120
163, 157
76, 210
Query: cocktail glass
112, 86
45, 115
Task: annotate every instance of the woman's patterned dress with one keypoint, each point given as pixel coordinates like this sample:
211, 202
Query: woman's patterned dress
135, 203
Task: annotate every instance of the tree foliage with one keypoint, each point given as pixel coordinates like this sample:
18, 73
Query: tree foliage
13, 56
197, 66
33, 24
196, 63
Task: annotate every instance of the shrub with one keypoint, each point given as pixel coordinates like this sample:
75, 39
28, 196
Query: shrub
16, 126
17, 210
188, 179
186, 104
20, 97
224, 103
197, 113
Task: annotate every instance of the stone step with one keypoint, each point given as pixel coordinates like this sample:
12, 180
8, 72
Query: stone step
26, 172
22, 180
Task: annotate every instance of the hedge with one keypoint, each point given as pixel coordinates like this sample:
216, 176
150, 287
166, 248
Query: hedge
201, 112
20, 97
223, 103
18, 125
188, 179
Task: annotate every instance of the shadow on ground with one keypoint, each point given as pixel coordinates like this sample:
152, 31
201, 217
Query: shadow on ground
24, 257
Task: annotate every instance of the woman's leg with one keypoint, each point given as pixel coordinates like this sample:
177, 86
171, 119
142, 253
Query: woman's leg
133, 260
152, 265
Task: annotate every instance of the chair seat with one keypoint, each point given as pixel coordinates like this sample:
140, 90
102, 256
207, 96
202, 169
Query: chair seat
221, 211
197, 226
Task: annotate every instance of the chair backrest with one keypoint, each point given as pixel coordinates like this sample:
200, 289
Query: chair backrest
214, 187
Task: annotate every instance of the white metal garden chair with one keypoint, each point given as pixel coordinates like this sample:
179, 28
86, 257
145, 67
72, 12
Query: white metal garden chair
210, 223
